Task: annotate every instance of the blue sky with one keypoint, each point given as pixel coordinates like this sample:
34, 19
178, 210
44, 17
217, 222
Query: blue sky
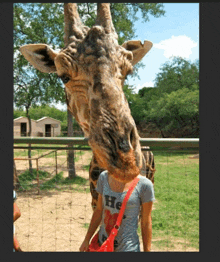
174, 34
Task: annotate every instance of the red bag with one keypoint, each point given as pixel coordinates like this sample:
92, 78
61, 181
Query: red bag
108, 244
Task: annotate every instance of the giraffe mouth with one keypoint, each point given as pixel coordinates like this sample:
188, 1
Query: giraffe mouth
122, 167
126, 169
119, 153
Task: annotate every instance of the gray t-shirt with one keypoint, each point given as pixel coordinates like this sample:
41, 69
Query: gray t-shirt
127, 239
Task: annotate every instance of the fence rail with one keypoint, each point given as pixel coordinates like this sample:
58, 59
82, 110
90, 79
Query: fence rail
47, 134
178, 143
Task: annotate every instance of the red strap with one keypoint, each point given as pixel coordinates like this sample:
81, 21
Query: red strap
121, 213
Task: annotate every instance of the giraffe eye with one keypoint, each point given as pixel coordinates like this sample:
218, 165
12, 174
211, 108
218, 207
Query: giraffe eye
65, 79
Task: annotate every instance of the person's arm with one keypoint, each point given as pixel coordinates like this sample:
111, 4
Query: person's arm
16, 244
146, 225
94, 223
17, 212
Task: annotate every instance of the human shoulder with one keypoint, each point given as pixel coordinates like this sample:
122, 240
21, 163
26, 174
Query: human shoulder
145, 181
101, 181
103, 174
146, 189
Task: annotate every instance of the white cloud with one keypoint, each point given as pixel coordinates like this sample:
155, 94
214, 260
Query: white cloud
177, 46
60, 106
140, 86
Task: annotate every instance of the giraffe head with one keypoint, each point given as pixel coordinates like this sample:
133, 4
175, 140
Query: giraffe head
93, 67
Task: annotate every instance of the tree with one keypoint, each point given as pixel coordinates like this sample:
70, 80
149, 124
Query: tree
173, 104
43, 23
177, 102
27, 94
125, 14
38, 112
38, 23
176, 74
145, 91
145, 95
17, 113
30, 86
176, 113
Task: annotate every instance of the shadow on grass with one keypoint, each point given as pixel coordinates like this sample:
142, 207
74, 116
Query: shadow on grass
58, 182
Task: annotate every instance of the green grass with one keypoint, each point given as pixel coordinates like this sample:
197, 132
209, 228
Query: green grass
26, 179
78, 155
177, 193
47, 182
58, 182
86, 225
86, 167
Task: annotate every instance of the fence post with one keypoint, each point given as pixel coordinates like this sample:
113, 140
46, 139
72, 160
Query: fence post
70, 153
15, 177
56, 160
38, 183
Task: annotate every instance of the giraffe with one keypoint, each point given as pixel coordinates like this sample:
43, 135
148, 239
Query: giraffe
93, 68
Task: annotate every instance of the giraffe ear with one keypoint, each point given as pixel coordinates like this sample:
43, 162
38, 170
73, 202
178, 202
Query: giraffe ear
138, 49
41, 56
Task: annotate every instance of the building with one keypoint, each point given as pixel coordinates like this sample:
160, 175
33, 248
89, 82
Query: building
48, 126
43, 127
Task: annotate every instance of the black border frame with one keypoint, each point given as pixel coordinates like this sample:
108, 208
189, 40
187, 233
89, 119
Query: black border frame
209, 137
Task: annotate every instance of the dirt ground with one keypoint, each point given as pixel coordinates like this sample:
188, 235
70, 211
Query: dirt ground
58, 220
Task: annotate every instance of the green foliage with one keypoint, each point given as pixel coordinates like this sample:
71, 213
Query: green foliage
36, 23
135, 103
26, 179
173, 104
17, 113
175, 111
177, 74
44, 23
123, 16
46, 110
145, 91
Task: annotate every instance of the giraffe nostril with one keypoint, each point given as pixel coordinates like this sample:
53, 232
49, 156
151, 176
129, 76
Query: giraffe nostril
123, 144
132, 136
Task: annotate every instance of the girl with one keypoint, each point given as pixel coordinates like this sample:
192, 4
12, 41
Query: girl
111, 195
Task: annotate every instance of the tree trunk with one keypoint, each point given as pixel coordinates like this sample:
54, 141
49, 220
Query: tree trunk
162, 134
29, 134
160, 129
70, 153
